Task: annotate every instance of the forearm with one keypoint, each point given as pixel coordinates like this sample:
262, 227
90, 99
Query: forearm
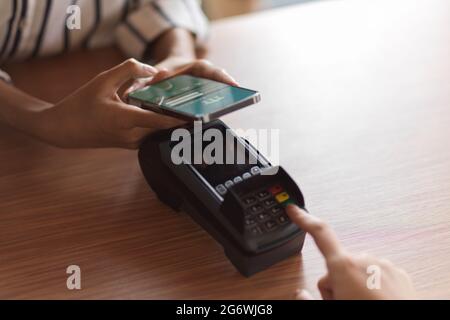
179, 43
20, 110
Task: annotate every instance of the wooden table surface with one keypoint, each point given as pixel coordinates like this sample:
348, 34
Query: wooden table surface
360, 91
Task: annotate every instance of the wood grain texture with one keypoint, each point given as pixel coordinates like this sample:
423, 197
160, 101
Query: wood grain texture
360, 91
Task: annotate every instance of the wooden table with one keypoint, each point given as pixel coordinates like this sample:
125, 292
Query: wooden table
360, 91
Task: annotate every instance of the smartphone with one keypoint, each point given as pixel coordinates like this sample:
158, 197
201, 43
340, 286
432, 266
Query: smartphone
192, 98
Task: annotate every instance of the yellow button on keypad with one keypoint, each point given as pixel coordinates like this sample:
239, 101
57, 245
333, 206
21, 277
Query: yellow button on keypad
282, 197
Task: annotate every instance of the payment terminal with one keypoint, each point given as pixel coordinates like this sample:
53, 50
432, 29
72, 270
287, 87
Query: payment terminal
242, 206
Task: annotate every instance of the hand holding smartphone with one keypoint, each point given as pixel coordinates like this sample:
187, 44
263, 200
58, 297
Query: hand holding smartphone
192, 98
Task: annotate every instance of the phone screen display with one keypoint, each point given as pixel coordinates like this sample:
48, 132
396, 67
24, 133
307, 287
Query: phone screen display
192, 96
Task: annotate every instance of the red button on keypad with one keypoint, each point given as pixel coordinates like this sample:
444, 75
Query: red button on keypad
275, 189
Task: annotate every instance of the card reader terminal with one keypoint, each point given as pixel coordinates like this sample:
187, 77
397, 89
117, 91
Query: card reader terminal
242, 206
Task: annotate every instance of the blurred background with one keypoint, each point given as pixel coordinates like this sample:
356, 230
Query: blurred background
216, 9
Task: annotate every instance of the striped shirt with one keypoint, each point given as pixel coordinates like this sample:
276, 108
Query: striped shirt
35, 28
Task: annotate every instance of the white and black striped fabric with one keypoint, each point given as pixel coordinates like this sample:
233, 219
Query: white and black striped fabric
35, 28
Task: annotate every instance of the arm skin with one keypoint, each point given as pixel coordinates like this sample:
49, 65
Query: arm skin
176, 42
105, 120
20, 110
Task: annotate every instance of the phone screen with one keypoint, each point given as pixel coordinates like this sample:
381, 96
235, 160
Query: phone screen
192, 96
